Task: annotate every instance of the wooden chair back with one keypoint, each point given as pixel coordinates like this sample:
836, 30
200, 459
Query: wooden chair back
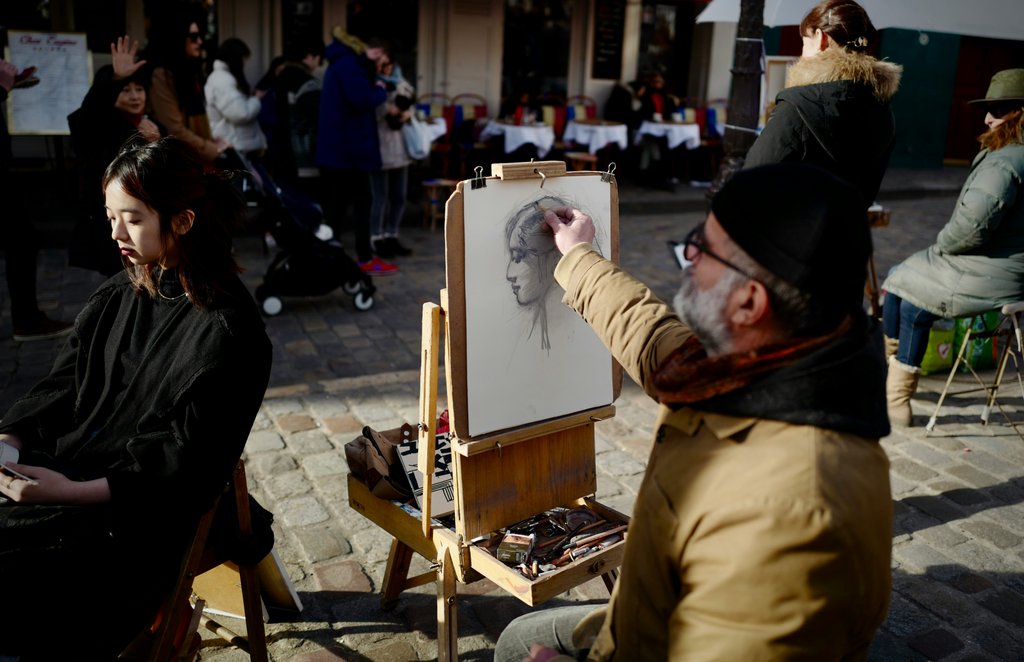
553, 112
174, 633
580, 107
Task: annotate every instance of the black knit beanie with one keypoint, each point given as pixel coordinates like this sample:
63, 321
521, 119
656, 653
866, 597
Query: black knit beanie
804, 225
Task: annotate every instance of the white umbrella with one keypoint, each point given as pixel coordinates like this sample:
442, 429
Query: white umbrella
996, 19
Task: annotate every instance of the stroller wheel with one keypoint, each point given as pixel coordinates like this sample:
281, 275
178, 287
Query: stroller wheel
272, 306
351, 288
363, 301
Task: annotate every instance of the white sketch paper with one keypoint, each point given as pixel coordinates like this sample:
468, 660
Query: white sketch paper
529, 357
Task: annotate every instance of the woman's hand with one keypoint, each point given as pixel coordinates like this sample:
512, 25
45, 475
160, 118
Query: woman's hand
7, 74
149, 130
570, 226
122, 56
49, 486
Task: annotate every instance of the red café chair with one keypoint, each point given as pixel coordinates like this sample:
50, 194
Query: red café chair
469, 111
580, 107
437, 105
553, 112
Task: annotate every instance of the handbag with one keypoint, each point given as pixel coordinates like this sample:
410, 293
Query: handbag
417, 139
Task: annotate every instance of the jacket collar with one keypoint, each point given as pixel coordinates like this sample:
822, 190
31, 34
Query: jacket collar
838, 64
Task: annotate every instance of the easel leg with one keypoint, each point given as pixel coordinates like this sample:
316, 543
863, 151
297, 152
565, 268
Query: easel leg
396, 573
447, 626
609, 578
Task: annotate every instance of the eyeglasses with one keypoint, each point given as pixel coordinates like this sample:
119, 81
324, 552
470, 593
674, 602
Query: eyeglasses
195, 37
687, 250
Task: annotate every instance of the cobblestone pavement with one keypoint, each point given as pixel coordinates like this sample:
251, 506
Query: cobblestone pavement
958, 539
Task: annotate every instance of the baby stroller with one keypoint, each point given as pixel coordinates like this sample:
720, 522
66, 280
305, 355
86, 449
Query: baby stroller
309, 261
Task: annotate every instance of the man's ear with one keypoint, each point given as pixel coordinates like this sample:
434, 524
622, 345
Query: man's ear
749, 306
182, 221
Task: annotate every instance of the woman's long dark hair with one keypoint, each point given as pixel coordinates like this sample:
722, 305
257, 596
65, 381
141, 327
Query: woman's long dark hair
169, 24
168, 177
233, 53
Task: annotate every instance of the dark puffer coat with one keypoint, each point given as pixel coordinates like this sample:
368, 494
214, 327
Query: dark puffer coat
834, 113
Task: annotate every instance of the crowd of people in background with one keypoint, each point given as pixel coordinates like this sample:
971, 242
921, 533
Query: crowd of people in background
341, 121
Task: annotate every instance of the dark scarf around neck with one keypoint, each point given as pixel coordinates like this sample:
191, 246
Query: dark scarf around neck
835, 381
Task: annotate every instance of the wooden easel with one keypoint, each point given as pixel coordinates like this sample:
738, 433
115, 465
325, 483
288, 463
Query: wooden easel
499, 478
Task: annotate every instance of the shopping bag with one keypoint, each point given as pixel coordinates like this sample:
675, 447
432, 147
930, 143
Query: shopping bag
938, 355
981, 352
417, 139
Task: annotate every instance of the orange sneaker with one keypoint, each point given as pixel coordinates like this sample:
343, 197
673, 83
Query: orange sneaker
378, 267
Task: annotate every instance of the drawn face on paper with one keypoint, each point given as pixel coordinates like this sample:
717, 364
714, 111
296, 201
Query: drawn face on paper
532, 253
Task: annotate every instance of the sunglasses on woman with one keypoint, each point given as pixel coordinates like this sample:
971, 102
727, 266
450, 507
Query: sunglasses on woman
1004, 108
195, 37
687, 250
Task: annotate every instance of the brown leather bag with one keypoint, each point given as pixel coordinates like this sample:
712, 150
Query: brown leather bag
373, 458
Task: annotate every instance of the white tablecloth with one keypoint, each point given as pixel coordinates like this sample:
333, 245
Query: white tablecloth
596, 136
677, 134
541, 135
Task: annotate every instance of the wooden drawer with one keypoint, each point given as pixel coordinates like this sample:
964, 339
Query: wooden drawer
549, 585
477, 561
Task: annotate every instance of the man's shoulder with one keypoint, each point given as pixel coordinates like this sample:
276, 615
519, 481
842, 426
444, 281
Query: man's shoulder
744, 459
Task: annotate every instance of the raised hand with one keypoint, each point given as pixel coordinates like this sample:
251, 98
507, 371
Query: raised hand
149, 130
123, 54
7, 74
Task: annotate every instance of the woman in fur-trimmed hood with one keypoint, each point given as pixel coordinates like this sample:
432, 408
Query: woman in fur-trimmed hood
835, 110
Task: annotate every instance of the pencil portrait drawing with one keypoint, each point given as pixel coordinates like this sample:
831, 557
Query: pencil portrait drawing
529, 357
532, 256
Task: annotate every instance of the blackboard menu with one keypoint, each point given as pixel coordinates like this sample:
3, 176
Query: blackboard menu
609, 18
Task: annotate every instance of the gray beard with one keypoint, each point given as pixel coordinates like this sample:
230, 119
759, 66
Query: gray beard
704, 310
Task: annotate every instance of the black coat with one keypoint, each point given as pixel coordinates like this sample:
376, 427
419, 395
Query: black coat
158, 397
98, 132
836, 116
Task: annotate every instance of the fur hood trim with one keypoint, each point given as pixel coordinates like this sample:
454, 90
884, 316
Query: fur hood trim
837, 64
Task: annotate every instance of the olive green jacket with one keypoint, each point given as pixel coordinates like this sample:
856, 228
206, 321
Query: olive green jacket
977, 260
751, 539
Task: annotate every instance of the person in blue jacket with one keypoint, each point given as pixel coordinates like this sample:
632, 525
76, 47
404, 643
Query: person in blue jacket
347, 146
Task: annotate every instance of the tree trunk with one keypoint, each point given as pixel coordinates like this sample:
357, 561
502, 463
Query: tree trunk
744, 92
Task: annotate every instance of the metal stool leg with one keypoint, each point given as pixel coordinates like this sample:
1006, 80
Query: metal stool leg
949, 380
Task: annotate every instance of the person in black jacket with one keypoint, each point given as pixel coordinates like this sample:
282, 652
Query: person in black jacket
143, 417
18, 237
113, 111
835, 109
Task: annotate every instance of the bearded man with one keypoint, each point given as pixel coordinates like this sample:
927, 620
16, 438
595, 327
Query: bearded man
762, 528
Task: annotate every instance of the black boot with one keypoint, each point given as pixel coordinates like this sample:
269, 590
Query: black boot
383, 248
398, 248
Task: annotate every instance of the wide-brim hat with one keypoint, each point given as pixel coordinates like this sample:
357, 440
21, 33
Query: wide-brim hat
1006, 85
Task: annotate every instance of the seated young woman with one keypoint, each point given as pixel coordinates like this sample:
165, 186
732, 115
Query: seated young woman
140, 422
